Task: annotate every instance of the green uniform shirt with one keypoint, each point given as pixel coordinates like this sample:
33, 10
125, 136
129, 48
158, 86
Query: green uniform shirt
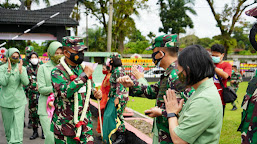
12, 94
44, 85
200, 120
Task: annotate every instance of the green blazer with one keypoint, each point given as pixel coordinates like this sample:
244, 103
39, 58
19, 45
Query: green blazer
12, 94
44, 86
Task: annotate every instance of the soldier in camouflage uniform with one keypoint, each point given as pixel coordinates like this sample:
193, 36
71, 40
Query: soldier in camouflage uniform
28, 50
248, 126
165, 49
65, 87
236, 78
33, 93
120, 95
26, 62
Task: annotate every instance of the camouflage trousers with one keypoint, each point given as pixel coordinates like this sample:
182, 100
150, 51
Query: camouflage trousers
85, 138
33, 107
123, 103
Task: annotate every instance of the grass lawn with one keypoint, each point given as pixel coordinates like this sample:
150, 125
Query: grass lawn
232, 119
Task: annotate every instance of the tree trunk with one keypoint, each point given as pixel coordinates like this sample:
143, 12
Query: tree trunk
121, 42
226, 50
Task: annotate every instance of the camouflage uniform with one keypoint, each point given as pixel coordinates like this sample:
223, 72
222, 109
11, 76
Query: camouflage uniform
28, 50
62, 122
117, 90
33, 95
248, 126
156, 91
238, 78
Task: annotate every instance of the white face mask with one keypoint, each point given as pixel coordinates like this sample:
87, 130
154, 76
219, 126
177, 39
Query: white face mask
34, 61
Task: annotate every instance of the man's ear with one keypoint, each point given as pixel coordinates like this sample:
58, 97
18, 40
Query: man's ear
162, 53
65, 53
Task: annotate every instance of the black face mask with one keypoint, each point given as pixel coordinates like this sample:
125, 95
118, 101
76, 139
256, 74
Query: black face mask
157, 61
77, 58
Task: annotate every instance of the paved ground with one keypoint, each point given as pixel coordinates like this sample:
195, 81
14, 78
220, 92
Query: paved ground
28, 133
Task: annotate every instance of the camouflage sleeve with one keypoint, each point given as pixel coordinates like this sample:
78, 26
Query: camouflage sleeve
141, 89
64, 87
119, 88
239, 78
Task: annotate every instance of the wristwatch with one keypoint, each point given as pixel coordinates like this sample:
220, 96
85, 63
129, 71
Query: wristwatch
83, 74
169, 115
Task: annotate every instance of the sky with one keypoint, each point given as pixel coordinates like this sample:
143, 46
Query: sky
149, 20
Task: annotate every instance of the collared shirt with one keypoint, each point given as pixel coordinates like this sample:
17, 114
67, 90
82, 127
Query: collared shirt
200, 120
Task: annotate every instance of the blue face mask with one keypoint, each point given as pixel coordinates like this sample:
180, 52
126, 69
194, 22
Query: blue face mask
233, 71
215, 59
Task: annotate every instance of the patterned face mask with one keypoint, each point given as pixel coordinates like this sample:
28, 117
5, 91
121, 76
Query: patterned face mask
14, 60
77, 58
182, 77
56, 58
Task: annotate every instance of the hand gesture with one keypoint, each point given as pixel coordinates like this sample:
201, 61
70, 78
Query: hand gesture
51, 104
98, 94
154, 112
88, 70
9, 65
171, 103
20, 66
116, 101
125, 81
136, 72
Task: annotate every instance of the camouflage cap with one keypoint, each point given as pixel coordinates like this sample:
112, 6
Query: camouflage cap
168, 40
29, 49
115, 55
74, 42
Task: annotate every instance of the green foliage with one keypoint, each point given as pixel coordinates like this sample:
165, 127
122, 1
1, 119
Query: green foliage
123, 24
28, 3
97, 39
136, 35
229, 17
174, 17
19, 44
136, 47
188, 40
8, 5
205, 42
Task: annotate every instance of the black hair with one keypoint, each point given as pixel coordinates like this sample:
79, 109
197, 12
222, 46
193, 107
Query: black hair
116, 62
29, 57
107, 67
197, 64
234, 66
218, 48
